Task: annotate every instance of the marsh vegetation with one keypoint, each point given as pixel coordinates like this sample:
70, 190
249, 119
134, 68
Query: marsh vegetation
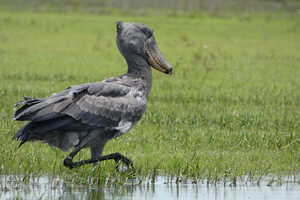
231, 109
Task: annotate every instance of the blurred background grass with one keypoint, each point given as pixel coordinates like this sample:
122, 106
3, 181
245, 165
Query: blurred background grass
142, 7
232, 108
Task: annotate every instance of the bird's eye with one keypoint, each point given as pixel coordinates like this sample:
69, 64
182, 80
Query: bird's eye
132, 45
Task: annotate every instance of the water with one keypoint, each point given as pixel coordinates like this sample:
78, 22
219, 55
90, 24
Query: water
13, 187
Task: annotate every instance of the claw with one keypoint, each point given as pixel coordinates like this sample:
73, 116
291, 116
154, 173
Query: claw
126, 161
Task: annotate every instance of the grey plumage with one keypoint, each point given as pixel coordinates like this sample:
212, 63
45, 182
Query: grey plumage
89, 115
99, 105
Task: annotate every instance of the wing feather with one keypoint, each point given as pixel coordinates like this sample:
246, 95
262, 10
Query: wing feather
98, 104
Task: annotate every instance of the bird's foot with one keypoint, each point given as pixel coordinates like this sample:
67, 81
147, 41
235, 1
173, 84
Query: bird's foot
128, 163
68, 162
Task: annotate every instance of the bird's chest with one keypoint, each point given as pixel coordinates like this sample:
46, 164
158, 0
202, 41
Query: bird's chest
132, 114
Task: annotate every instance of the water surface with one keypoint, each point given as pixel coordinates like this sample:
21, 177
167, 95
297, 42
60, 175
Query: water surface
13, 187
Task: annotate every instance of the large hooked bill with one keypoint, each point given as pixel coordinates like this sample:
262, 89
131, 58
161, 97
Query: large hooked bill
155, 58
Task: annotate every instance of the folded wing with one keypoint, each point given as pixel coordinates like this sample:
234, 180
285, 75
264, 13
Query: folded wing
87, 106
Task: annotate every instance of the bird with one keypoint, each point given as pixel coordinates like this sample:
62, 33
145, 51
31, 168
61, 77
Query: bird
91, 114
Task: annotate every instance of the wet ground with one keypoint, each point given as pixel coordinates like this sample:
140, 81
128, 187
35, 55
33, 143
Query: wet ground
14, 187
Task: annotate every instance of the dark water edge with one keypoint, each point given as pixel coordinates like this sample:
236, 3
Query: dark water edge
15, 187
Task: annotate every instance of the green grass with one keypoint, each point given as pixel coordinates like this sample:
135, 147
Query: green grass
231, 109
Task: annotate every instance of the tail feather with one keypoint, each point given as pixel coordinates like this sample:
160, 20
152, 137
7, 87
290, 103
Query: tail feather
26, 103
38, 109
40, 125
38, 130
22, 134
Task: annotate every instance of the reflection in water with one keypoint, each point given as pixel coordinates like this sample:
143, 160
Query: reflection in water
14, 187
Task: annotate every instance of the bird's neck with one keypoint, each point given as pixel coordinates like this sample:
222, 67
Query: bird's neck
138, 67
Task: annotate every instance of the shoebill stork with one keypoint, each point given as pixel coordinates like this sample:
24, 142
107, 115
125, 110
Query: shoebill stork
89, 115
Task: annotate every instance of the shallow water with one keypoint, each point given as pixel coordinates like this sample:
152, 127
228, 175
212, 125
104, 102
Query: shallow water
13, 187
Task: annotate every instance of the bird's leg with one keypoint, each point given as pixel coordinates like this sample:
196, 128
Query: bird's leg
115, 156
68, 160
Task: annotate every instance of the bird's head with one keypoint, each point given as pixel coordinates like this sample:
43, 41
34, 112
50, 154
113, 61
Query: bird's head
137, 41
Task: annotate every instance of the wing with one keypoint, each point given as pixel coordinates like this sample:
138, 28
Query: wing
101, 104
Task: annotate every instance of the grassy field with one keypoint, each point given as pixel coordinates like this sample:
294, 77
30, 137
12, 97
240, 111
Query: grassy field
231, 109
